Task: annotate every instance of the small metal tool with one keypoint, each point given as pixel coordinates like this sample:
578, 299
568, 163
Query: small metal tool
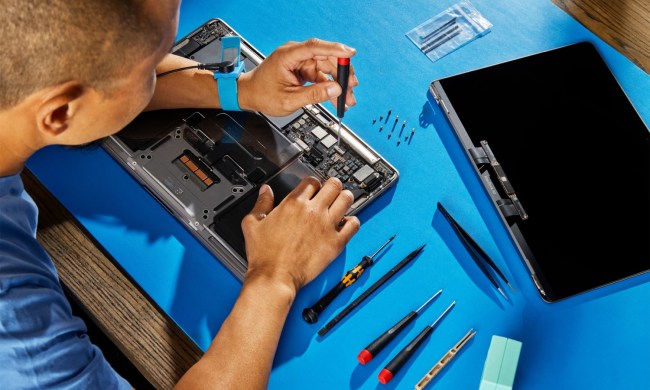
405, 354
385, 338
442, 363
342, 77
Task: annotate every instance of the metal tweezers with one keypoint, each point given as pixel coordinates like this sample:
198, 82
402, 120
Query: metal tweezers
478, 254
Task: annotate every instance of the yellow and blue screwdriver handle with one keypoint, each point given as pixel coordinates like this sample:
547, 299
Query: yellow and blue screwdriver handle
310, 314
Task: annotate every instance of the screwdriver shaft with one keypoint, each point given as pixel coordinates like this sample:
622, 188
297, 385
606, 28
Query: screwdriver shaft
385, 338
349, 308
403, 356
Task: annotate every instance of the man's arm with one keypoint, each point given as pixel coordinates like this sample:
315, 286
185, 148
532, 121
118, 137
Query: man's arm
287, 246
275, 87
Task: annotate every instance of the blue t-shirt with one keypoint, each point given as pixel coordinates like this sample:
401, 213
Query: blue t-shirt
42, 345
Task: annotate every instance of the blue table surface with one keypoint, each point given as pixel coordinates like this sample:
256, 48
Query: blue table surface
597, 340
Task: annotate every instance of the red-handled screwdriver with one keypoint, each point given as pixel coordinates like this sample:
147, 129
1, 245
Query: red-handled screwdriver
342, 76
403, 356
380, 342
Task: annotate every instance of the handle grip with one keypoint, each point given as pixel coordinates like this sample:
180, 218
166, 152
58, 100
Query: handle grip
403, 356
342, 76
380, 342
310, 314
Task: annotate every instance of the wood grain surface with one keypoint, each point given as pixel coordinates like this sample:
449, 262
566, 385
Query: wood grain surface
624, 24
148, 338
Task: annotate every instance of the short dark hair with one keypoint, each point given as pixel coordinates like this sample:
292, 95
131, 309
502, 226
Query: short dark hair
48, 42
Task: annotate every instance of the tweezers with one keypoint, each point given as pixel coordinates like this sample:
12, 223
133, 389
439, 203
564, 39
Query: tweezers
478, 254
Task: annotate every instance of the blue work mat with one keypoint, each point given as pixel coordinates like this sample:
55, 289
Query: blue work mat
599, 340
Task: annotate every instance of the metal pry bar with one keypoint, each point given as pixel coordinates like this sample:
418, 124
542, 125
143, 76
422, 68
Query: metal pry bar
444, 360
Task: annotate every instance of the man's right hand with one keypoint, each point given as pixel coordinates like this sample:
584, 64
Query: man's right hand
294, 242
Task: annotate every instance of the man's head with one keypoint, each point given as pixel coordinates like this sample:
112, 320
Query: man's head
75, 71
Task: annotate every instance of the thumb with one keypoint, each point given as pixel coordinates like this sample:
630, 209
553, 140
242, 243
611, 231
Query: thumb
264, 203
317, 93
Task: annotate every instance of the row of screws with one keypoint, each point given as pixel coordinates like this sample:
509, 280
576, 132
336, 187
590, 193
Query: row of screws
381, 127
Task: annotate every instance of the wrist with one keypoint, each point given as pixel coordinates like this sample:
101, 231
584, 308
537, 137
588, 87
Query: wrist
282, 288
244, 92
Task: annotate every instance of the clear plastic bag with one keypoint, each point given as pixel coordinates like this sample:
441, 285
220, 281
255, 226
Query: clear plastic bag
449, 30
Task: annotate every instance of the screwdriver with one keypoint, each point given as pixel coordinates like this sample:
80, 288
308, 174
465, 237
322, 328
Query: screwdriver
398, 361
349, 308
342, 76
380, 342
310, 314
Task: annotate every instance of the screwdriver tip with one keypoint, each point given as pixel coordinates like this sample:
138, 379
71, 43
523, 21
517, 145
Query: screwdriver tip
502, 293
509, 285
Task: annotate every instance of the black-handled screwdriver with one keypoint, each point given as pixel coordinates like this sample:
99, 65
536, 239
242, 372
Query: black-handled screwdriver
310, 314
350, 308
403, 356
342, 77
380, 342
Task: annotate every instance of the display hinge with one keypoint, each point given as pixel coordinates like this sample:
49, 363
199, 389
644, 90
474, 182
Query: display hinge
483, 155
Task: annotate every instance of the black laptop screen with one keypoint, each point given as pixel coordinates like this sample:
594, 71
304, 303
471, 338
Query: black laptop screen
577, 154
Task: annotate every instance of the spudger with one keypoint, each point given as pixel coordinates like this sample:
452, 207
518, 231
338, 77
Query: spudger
342, 76
385, 338
442, 363
310, 314
403, 356
369, 291
477, 253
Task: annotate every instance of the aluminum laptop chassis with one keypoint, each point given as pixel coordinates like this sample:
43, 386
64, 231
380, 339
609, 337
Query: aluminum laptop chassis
205, 166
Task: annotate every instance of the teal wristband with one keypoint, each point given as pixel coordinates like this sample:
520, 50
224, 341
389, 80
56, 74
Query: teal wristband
227, 82
227, 88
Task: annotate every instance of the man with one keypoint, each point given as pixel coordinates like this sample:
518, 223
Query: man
77, 71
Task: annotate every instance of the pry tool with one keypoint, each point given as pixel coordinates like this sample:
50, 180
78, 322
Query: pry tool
442, 363
342, 76
310, 314
404, 355
385, 338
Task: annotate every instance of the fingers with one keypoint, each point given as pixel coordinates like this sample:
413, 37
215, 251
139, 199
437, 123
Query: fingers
307, 50
329, 193
306, 189
350, 227
341, 205
263, 206
315, 93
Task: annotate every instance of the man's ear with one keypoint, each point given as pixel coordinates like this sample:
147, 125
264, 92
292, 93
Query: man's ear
57, 108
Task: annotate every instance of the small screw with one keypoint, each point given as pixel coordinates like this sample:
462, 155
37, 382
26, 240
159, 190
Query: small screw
413, 131
389, 134
390, 110
398, 142
403, 124
374, 120
396, 118
381, 117
381, 128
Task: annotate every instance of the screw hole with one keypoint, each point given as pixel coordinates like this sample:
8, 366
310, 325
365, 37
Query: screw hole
185, 177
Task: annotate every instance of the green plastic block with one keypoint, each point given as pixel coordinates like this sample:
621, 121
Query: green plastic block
500, 364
